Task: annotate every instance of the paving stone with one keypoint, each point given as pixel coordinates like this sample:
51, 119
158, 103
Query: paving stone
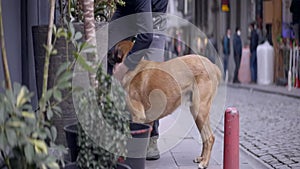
283, 167
295, 166
166, 160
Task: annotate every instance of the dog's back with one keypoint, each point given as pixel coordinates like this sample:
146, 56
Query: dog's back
159, 86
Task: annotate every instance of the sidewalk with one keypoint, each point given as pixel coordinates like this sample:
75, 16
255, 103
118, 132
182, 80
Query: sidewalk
182, 155
281, 90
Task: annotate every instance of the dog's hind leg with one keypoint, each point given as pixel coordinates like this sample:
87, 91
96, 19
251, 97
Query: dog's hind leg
137, 111
200, 109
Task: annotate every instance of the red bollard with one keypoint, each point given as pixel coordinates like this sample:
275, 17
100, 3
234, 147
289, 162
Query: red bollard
231, 139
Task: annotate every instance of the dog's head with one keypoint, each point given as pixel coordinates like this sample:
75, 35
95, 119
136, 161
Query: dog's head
120, 52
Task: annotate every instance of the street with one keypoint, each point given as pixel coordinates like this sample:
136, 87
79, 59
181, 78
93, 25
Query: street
269, 126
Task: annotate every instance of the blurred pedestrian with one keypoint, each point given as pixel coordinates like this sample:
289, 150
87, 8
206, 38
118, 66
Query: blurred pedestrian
237, 47
226, 50
295, 10
211, 48
253, 47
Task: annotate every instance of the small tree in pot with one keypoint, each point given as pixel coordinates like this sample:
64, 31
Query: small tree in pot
104, 125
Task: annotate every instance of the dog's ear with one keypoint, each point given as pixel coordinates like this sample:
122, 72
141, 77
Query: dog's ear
122, 49
118, 54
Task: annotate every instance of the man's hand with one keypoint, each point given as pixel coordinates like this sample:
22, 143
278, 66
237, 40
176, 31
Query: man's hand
119, 71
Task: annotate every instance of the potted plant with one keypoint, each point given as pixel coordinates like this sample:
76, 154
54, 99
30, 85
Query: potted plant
71, 20
101, 125
100, 113
104, 132
27, 138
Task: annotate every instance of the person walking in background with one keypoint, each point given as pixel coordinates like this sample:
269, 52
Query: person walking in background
226, 50
294, 9
237, 49
253, 47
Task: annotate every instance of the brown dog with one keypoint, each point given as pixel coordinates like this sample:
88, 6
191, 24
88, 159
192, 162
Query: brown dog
156, 89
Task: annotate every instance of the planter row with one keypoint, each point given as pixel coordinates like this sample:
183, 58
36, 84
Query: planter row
137, 131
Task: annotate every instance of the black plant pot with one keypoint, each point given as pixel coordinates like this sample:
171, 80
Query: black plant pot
72, 166
75, 166
137, 147
123, 166
71, 136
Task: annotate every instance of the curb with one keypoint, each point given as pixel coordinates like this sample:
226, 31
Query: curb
287, 93
253, 160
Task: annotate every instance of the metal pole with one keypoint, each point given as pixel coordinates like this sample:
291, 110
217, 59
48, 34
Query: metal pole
231, 139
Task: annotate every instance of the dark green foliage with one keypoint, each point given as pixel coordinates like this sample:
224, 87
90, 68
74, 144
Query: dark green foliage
104, 125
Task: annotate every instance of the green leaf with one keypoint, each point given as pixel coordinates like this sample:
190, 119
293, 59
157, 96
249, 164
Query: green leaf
54, 52
57, 110
48, 133
39, 145
85, 47
11, 136
61, 33
66, 76
35, 135
57, 95
2, 113
49, 114
64, 85
16, 124
48, 95
54, 132
21, 98
78, 36
30, 115
63, 67
53, 165
3, 140
83, 63
29, 152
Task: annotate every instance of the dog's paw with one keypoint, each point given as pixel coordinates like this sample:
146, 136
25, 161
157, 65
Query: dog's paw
201, 166
198, 159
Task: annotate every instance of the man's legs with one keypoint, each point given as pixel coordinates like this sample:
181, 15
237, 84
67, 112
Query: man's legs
253, 66
225, 61
155, 53
237, 60
152, 149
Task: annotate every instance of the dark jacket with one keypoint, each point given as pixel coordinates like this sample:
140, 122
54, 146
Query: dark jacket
142, 25
295, 10
253, 41
237, 45
226, 45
